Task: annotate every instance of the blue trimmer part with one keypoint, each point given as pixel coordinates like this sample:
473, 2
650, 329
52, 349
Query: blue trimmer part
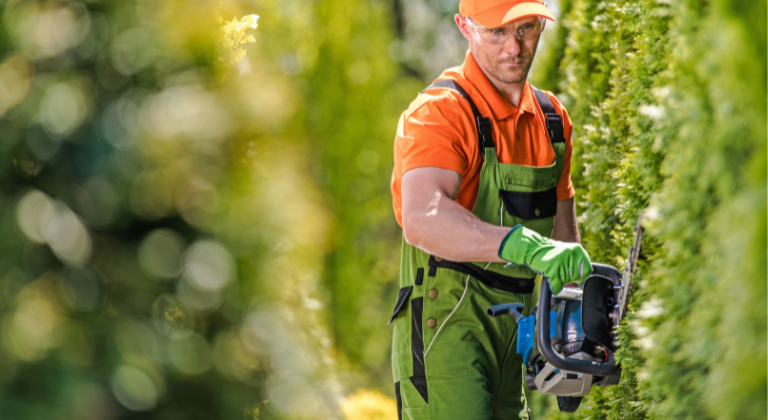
525, 333
525, 337
552, 323
514, 309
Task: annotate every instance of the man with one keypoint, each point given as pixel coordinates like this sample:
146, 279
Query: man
481, 180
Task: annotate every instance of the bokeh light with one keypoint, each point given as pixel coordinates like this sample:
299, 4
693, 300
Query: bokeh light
172, 174
134, 389
29, 331
189, 354
46, 221
160, 254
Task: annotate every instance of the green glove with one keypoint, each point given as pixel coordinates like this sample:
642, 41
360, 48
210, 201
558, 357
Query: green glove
561, 262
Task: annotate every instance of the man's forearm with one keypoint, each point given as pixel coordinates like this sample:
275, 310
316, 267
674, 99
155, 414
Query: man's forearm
566, 228
448, 230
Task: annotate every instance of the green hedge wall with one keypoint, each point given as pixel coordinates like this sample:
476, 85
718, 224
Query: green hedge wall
669, 104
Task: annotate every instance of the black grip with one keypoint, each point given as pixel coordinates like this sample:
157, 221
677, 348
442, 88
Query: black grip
545, 343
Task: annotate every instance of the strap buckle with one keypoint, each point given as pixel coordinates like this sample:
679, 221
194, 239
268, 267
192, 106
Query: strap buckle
485, 131
555, 128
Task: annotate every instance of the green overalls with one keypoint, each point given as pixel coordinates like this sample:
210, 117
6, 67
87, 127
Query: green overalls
450, 360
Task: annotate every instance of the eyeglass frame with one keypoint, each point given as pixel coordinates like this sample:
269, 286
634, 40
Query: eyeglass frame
475, 26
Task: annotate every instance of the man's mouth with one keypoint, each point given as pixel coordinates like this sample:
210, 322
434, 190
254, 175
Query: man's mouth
513, 63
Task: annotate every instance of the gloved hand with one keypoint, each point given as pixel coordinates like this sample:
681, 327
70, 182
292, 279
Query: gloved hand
561, 262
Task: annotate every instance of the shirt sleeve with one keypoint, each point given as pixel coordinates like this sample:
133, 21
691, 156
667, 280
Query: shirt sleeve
434, 134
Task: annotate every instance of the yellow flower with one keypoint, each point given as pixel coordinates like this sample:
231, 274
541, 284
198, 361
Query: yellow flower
251, 20
369, 405
233, 35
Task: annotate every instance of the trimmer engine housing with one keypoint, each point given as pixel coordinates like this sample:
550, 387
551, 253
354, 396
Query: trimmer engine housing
574, 349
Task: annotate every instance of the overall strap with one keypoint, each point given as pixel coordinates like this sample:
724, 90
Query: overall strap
484, 131
489, 278
553, 119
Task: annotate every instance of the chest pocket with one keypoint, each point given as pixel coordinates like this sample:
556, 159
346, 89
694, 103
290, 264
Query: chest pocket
530, 205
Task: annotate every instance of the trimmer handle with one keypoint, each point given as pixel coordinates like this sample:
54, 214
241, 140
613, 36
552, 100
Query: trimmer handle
545, 343
514, 309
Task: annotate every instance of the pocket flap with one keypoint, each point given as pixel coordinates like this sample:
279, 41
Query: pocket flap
402, 297
530, 205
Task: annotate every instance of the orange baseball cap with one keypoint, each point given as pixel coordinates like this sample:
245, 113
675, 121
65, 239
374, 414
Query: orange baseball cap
494, 13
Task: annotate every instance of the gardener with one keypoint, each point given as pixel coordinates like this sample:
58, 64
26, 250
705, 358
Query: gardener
481, 181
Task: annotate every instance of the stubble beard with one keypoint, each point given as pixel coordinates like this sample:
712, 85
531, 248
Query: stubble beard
511, 76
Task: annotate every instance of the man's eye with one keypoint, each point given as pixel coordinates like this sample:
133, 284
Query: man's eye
527, 27
498, 31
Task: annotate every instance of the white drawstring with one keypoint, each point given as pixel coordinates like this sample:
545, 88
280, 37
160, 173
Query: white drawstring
466, 286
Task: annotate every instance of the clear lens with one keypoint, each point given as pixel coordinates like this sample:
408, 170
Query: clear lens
500, 35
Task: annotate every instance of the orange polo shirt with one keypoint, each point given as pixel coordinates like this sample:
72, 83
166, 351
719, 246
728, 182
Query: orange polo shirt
438, 129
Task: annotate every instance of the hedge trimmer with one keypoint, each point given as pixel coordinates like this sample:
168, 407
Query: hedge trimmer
575, 349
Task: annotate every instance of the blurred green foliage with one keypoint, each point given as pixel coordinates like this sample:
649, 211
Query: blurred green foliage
166, 230
197, 213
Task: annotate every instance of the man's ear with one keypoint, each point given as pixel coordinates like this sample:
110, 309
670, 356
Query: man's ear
463, 25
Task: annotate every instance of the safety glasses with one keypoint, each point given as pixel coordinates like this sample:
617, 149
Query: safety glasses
522, 31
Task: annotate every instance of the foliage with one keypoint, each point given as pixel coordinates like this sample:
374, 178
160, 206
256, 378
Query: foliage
163, 238
272, 174
354, 97
668, 101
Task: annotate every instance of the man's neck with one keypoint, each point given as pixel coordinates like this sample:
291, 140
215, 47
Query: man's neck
512, 92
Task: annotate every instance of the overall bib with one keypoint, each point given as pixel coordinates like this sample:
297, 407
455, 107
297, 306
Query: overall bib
450, 360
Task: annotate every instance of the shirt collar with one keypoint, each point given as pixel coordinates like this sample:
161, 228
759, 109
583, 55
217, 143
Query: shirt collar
500, 107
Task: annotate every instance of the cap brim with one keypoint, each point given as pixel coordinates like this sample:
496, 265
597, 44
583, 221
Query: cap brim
501, 15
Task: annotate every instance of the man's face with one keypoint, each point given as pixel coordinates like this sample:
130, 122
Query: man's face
507, 62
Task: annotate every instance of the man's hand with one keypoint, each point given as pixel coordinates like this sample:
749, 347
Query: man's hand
561, 262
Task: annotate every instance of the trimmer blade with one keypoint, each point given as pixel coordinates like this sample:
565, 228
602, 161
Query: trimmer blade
629, 269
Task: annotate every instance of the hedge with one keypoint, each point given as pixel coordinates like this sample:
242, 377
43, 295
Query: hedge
669, 105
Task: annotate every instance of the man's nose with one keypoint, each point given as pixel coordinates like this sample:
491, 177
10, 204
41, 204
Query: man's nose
512, 46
